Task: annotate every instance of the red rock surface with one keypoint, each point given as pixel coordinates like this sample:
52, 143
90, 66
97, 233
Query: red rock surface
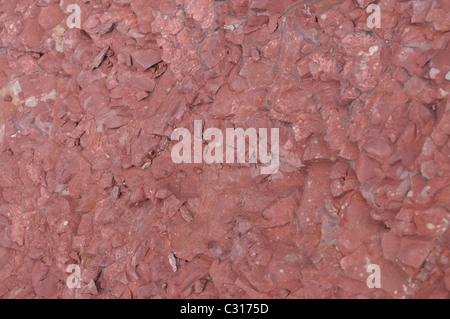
86, 175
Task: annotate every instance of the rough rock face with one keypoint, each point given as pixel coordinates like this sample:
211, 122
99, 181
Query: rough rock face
87, 179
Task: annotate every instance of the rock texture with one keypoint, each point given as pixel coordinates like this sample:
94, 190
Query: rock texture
86, 177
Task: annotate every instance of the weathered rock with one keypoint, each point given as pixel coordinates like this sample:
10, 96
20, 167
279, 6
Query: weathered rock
87, 178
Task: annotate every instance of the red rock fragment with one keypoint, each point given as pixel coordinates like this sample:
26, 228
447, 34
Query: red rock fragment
90, 288
185, 214
32, 34
145, 59
50, 17
413, 251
